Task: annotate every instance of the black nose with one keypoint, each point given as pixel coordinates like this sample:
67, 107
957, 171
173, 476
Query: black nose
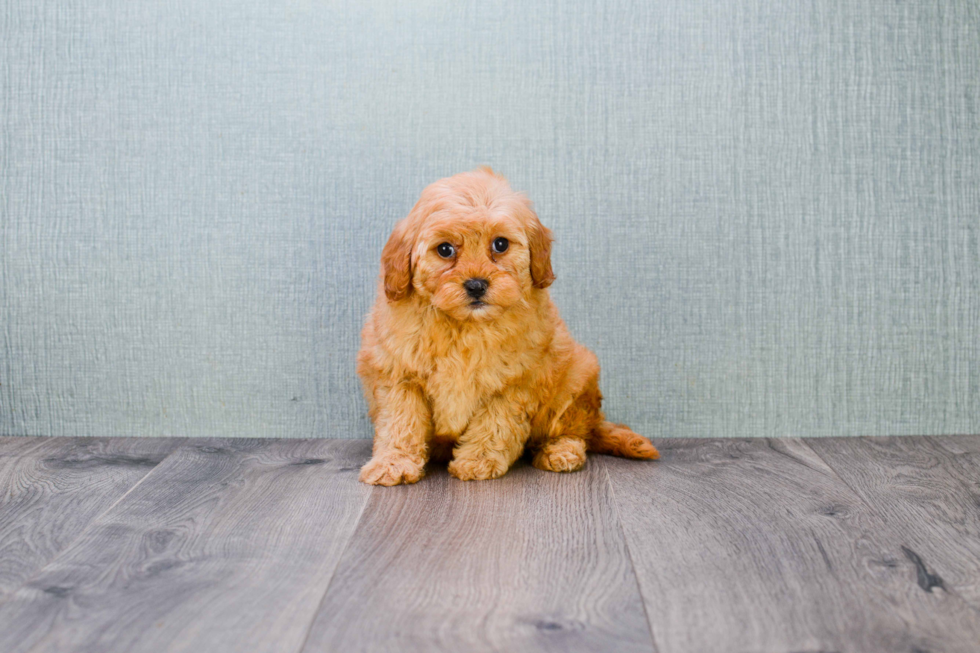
476, 288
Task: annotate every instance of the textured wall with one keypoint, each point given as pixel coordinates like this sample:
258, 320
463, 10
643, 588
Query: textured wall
767, 211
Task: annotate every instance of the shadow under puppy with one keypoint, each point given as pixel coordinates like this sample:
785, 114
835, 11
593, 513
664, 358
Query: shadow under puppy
464, 354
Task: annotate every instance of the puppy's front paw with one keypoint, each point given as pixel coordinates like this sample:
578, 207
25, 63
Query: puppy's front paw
477, 469
392, 469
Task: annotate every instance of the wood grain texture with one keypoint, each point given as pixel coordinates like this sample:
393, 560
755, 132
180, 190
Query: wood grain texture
928, 490
534, 561
226, 546
858, 545
758, 545
52, 488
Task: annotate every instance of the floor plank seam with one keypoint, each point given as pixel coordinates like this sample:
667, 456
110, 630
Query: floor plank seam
40, 442
937, 442
85, 530
837, 475
629, 555
333, 574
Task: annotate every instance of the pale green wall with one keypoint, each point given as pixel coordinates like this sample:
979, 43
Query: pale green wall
767, 212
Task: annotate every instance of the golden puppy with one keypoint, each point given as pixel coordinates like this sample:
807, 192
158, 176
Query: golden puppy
464, 348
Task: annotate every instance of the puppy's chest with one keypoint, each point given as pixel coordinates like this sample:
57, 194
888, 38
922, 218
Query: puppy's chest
458, 386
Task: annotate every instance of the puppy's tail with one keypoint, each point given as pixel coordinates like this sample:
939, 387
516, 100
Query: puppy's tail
619, 440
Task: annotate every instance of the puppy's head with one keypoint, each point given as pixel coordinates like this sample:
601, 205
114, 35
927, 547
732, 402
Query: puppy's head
471, 246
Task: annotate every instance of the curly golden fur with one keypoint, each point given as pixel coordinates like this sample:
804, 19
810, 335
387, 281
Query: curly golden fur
449, 372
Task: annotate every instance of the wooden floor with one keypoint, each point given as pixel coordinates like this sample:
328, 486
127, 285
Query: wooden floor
206, 546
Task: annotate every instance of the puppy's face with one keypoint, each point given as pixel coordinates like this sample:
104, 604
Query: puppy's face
472, 266
471, 247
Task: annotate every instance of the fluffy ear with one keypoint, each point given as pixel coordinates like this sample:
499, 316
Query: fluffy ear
539, 242
396, 262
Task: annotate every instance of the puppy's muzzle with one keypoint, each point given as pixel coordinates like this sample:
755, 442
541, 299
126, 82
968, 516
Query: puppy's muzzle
476, 288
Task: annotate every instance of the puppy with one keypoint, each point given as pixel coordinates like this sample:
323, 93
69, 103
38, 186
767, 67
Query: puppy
464, 353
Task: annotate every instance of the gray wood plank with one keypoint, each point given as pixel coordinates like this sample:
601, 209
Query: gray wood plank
928, 489
51, 488
12, 447
757, 545
225, 546
534, 561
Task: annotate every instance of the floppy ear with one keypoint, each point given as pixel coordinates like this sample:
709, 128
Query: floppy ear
396, 262
539, 242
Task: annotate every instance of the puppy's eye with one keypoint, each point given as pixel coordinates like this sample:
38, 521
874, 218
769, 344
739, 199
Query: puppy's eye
500, 245
446, 250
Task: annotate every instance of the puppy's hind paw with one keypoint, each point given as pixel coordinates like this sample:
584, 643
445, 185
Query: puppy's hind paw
564, 455
392, 469
477, 469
